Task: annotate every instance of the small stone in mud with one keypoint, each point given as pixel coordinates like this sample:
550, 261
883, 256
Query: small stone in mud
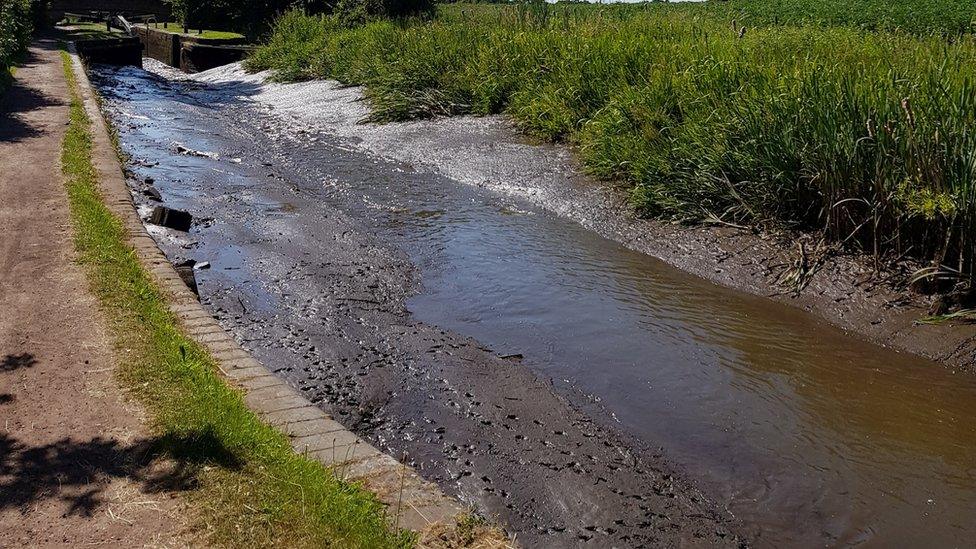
152, 192
202, 265
168, 217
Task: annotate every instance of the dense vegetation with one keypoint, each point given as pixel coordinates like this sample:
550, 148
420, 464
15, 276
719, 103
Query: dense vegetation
246, 17
16, 25
948, 17
707, 111
250, 488
254, 17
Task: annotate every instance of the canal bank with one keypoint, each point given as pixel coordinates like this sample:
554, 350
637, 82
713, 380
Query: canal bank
421, 311
320, 298
91, 353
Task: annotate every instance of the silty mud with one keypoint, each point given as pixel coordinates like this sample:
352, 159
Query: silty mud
572, 387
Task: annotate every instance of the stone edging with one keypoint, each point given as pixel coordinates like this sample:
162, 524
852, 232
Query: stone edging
311, 431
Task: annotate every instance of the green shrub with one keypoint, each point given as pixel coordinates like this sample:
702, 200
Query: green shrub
252, 18
16, 26
354, 12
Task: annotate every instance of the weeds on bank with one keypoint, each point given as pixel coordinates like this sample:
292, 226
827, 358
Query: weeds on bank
248, 486
817, 124
962, 316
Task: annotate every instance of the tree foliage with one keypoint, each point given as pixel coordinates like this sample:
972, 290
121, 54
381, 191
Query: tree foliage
255, 17
16, 26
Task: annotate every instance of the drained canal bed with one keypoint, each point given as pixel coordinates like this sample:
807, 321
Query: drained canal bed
579, 391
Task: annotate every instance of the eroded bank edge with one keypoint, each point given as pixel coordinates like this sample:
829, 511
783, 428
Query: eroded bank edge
418, 504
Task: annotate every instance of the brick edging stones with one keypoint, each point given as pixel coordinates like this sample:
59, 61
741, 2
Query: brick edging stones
419, 503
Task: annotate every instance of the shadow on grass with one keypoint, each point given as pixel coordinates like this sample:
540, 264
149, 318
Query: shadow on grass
78, 472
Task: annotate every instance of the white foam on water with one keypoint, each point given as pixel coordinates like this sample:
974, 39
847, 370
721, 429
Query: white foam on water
481, 151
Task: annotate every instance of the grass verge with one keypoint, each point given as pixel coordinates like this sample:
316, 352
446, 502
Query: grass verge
86, 31
209, 34
244, 481
218, 35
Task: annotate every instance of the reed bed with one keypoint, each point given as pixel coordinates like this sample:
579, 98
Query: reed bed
866, 135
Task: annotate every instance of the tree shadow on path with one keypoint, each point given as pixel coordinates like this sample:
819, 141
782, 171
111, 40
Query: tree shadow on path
21, 98
15, 362
79, 472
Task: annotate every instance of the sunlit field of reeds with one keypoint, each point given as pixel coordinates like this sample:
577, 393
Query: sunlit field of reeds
716, 112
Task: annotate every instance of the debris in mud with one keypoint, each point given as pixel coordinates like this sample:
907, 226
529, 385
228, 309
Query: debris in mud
152, 192
185, 270
202, 265
205, 221
174, 219
181, 149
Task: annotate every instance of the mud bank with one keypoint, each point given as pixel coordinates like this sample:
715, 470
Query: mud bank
488, 152
575, 388
316, 294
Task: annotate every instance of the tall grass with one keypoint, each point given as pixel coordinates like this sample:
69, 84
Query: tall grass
947, 17
866, 135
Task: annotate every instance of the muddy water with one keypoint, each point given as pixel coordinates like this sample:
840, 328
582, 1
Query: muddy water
804, 434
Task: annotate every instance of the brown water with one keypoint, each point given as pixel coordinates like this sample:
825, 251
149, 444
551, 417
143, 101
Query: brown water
801, 429
808, 435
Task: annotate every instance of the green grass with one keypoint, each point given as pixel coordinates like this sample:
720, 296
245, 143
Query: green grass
962, 316
86, 31
218, 35
246, 485
948, 17
177, 28
813, 124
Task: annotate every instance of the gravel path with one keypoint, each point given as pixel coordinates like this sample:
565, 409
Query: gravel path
73, 470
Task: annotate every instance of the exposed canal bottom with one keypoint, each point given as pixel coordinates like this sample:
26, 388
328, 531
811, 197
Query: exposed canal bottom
390, 295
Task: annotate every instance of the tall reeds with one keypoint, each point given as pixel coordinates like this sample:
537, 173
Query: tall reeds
866, 135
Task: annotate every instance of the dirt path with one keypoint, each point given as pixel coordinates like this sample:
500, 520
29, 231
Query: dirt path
74, 469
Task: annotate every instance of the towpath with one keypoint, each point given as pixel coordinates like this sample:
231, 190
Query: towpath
73, 468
